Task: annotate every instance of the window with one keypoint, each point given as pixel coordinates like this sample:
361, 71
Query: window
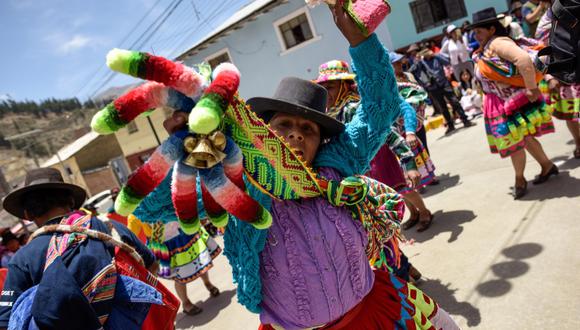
295, 30
218, 58
132, 127
429, 14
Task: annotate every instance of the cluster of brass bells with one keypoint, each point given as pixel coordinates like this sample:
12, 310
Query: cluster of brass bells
205, 151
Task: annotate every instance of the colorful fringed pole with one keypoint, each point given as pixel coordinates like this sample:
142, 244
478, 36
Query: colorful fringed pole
156, 68
149, 175
127, 107
184, 197
208, 112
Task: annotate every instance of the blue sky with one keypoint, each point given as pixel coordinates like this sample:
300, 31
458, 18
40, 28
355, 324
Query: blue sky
52, 48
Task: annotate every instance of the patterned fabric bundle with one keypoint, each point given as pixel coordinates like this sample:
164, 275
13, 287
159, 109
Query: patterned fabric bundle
500, 70
367, 14
381, 214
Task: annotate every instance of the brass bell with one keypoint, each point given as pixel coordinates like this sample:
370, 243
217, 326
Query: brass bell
218, 140
204, 155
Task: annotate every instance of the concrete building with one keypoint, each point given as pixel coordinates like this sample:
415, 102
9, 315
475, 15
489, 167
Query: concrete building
270, 39
140, 138
91, 162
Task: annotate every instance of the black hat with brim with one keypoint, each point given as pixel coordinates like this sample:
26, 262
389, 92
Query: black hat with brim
484, 17
302, 98
41, 179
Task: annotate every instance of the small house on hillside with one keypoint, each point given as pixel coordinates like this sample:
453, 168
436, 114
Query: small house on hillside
94, 162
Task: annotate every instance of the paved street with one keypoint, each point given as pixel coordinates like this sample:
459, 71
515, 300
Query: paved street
491, 262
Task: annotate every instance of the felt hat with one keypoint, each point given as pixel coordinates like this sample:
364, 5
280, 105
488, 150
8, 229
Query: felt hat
42, 178
299, 97
484, 17
334, 70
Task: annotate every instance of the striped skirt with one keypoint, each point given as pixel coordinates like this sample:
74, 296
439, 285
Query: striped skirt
564, 104
506, 131
183, 257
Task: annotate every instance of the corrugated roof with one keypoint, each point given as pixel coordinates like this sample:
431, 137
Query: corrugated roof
69, 150
246, 12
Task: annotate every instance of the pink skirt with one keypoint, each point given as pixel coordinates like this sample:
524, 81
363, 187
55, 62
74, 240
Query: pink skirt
506, 130
385, 168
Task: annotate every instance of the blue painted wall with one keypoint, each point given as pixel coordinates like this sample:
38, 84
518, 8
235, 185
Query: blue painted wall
256, 50
403, 30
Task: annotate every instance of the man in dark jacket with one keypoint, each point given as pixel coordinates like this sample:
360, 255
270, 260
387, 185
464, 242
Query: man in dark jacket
60, 285
429, 71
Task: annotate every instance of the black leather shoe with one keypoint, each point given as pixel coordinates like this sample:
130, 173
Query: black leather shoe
543, 178
468, 123
520, 192
449, 130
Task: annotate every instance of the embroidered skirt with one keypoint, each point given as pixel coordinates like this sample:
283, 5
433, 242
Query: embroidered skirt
506, 130
564, 104
183, 257
424, 164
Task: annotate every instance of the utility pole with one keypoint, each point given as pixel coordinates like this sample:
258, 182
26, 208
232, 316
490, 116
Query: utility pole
154, 131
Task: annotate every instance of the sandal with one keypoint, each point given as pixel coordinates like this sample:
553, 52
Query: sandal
577, 153
213, 291
410, 223
425, 224
193, 311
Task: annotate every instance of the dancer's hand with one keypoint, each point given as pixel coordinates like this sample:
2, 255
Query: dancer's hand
413, 178
346, 25
176, 122
533, 94
411, 140
553, 85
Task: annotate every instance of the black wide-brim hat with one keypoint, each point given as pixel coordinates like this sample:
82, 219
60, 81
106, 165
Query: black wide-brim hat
299, 97
40, 179
484, 17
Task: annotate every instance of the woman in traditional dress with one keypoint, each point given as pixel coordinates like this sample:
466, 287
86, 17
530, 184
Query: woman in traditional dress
402, 167
562, 98
310, 268
514, 111
182, 258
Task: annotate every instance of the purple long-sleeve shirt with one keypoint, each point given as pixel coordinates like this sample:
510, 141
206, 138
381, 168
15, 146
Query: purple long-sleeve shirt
320, 250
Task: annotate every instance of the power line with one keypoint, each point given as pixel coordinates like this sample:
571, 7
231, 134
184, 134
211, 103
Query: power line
125, 38
159, 22
211, 16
